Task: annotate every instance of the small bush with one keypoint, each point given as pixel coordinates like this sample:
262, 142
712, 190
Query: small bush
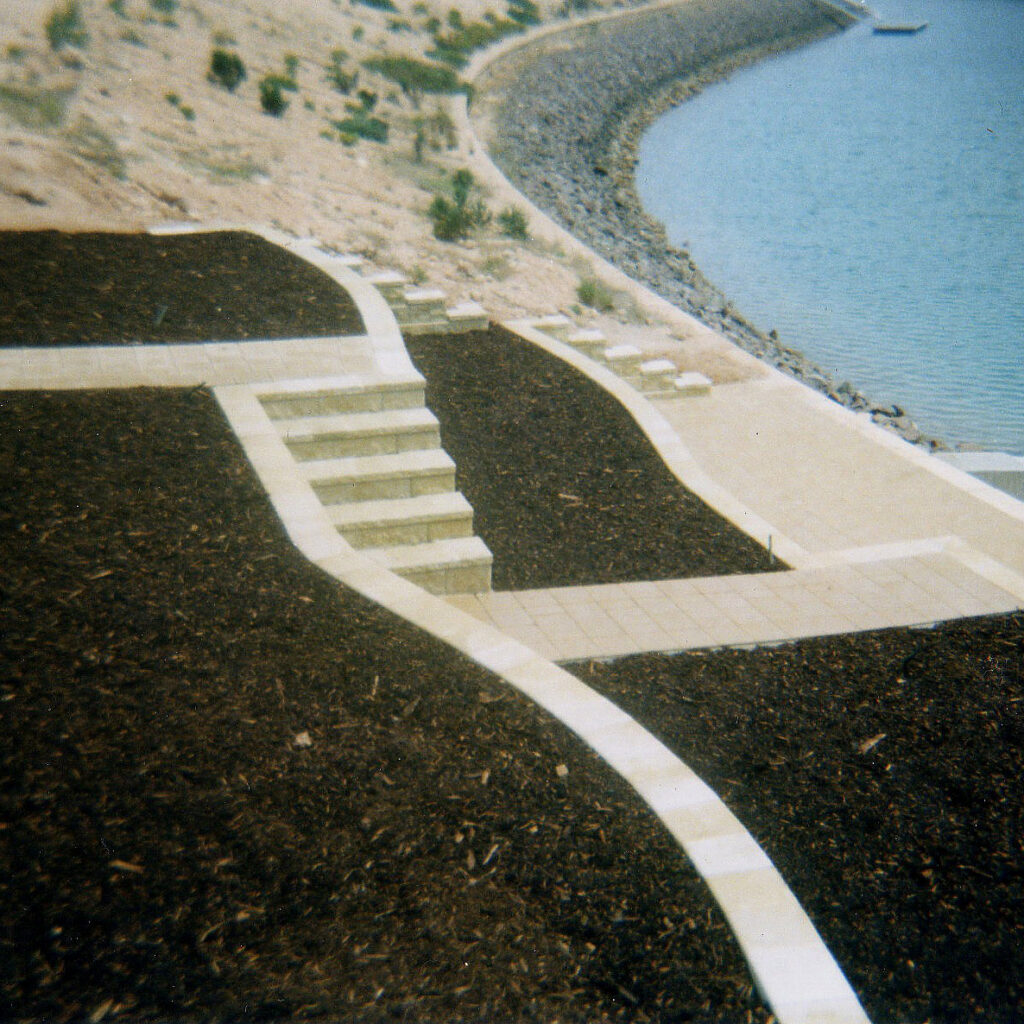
343, 81
291, 66
415, 77
167, 7
593, 293
358, 32
378, 5
457, 218
513, 223
271, 96
361, 125
64, 26
188, 113
226, 69
117, 6
524, 11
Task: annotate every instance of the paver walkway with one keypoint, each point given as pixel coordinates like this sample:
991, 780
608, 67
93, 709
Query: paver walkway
564, 624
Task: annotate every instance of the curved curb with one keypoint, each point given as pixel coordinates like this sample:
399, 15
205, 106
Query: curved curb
673, 452
794, 971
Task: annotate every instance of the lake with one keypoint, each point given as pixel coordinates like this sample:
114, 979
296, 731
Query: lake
864, 196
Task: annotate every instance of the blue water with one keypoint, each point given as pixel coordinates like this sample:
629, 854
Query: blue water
865, 197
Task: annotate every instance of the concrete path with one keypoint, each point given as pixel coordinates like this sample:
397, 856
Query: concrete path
829, 479
570, 623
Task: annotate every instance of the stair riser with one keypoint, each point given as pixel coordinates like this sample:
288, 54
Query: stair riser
377, 535
472, 578
344, 445
412, 312
330, 403
592, 350
335, 492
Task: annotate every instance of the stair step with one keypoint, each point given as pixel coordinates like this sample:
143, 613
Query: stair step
688, 384
457, 566
360, 433
390, 283
590, 341
387, 523
558, 325
369, 477
623, 359
467, 316
309, 399
658, 374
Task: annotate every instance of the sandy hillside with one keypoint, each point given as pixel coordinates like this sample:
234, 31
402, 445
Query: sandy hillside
118, 125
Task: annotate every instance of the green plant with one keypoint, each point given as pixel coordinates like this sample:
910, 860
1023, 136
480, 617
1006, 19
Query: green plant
343, 81
226, 69
457, 218
415, 77
358, 32
513, 223
117, 6
526, 12
378, 5
64, 26
291, 66
173, 98
188, 113
271, 99
223, 38
34, 107
129, 35
164, 6
593, 293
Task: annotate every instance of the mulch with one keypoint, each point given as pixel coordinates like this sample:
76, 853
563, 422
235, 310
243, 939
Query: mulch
94, 288
232, 789
882, 773
565, 488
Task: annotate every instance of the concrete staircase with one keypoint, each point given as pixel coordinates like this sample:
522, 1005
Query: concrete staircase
424, 310
371, 451
656, 378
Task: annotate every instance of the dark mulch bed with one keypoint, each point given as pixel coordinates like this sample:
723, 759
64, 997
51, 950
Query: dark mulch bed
111, 289
171, 849
565, 488
883, 773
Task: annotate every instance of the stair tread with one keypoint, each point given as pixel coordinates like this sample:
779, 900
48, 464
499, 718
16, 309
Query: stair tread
294, 428
392, 510
433, 553
421, 460
318, 387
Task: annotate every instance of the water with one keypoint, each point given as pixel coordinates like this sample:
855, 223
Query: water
865, 197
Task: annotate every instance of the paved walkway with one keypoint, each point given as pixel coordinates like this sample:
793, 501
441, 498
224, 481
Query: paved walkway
570, 623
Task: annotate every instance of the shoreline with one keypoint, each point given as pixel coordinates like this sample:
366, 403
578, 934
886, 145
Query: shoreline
568, 119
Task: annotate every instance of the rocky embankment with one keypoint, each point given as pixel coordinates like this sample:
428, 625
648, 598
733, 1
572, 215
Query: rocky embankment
567, 117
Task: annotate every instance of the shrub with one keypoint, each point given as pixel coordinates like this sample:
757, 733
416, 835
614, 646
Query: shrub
361, 125
593, 293
416, 77
378, 5
456, 218
164, 6
226, 69
513, 223
117, 6
524, 11
271, 99
64, 26
342, 80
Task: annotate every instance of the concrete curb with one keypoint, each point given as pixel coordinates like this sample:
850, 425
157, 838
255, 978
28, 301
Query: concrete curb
669, 447
794, 971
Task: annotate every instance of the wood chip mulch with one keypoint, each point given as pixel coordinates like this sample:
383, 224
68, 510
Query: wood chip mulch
231, 789
95, 288
882, 773
565, 488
